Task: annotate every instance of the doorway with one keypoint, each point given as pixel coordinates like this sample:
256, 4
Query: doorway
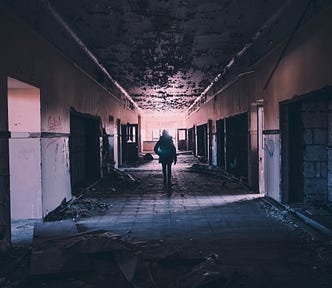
191, 139
221, 143
202, 147
182, 139
237, 145
84, 146
305, 144
24, 150
129, 143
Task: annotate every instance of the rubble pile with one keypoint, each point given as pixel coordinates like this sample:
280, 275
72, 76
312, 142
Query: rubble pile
77, 208
115, 183
220, 173
97, 256
280, 215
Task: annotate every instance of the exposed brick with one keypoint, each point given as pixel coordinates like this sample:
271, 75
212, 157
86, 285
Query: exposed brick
329, 195
313, 106
329, 157
323, 169
315, 153
314, 120
329, 179
317, 169
308, 136
329, 141
315, 198
315, 186
329, 122
320, 136
330, 104
308, 169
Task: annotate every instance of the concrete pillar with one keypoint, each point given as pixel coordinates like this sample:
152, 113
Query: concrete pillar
5, 227
329, 150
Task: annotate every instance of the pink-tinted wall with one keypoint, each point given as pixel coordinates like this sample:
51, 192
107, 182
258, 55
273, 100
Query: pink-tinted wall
63, 85
305, 67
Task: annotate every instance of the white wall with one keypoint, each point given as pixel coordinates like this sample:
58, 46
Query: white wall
63, 85
56, 172
25, 178
272, 165
24, 151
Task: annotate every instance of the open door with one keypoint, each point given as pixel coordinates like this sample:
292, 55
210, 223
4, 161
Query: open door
84, 146
129, 143
237, 145
221, 143
182, 140
202, 142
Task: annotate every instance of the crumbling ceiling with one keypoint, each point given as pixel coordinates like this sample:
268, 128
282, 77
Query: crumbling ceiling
164, 53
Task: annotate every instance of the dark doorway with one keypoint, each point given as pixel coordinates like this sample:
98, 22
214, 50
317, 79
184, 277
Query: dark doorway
202, 147
194, 140
191, 139
84, 145
118, 141
221, 143
210, 137
304, 125
182, 139
296, 150
129, 143
237, 145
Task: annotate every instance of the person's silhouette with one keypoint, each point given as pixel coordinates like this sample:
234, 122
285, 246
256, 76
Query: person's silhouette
166, 151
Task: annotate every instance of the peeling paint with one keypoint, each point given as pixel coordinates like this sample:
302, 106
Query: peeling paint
171, 48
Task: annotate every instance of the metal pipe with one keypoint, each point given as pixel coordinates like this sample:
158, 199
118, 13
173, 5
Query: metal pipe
297, 26
243, 51
80, 43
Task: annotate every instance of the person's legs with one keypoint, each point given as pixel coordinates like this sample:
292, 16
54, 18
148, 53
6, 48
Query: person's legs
164, 171
169, 172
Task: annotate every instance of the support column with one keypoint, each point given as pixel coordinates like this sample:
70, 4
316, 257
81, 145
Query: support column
5, 227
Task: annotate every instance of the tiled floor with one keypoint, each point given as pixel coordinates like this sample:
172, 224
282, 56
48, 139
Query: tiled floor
195, 205
187, 217
200, 214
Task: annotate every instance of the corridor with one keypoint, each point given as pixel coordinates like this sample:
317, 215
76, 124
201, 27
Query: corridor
243, 92
254, 243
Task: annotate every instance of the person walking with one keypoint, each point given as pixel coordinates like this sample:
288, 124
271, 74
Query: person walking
166, 151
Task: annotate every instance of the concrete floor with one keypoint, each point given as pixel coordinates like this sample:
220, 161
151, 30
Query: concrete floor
199, 215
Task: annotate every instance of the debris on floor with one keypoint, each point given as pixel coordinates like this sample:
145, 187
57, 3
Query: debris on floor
220, 173
281, 215
112, 184
148, 157
77, 208
132, 263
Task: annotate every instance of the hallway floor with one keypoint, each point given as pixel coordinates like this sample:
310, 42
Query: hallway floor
252, 243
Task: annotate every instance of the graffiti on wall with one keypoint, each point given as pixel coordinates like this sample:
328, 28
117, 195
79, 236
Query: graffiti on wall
269, 147
53, 122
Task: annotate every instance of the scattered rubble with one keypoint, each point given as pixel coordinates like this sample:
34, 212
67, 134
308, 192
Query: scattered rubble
112, 184
283, 216
138, 263
77, 208
220, 173
87, 204
148, 157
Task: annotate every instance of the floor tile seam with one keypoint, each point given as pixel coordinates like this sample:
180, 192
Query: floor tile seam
122, 209
203, 216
